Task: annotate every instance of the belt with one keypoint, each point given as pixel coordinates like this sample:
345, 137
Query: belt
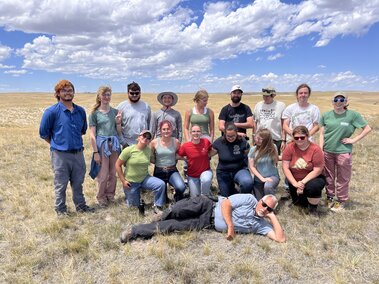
71, 151
166, 168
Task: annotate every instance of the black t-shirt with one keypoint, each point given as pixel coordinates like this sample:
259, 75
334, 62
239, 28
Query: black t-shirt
235, 114
231, 156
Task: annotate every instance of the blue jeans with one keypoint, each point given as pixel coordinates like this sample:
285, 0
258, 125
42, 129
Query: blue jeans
172, 177
200, 185
264, 188
226, 182
133, 194
68, 167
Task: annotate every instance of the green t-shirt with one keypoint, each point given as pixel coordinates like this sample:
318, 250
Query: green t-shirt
105, 123
136, 163
339, 126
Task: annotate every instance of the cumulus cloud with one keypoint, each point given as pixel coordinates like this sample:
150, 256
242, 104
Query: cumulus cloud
16, 73
5, 52
119, 39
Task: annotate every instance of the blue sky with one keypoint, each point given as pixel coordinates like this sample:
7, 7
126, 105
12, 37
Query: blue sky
186, 45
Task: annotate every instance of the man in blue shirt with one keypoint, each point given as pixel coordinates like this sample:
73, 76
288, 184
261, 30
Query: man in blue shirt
62, 126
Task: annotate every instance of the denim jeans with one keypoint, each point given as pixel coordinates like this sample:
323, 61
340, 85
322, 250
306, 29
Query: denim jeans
264, 188
172, 177
226, 182
200, 185
68, 167
133, 194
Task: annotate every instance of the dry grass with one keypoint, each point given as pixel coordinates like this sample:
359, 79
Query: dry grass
36, 246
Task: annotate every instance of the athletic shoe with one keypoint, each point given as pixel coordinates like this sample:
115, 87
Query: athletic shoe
330, 202
85, 209
338, 206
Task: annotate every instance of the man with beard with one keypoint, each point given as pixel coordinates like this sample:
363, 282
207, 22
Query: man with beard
238, 113
135, 116
62, 126
240, 213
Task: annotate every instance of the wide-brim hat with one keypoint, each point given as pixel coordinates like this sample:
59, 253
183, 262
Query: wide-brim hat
268, 91
173, 95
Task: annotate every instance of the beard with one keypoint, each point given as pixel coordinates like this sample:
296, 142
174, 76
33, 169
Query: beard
134, 99
236, 100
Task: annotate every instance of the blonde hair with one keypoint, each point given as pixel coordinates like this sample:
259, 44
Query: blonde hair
267, 146
201, 94
102, 90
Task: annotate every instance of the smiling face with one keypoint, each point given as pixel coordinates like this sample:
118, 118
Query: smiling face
265, 206
144, 139
66, 94
236, 96
303, 95
195, 133
105, 97
166, 130
231, 135
167, 100
339, 103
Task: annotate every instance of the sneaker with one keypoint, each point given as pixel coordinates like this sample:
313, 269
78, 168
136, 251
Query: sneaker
85, 209
126, 236
338, 206
62, 213
330, 202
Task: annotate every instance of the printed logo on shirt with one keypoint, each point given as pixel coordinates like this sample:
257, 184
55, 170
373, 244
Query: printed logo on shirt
236, 150
343, 123
300, 164
266, 114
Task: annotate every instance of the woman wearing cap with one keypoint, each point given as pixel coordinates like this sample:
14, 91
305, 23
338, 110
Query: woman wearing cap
164, 150
136, 159
167, 100
201, 116
263, 160
105, 125
199, 171
303, 163
232, 167
337, 126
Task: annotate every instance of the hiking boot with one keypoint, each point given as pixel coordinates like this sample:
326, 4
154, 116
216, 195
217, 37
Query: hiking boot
85, 209
126, 236
338, 206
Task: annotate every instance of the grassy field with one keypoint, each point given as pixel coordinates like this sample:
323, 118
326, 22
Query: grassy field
38, 247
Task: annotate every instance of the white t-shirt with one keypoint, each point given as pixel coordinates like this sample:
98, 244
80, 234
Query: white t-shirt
269, 116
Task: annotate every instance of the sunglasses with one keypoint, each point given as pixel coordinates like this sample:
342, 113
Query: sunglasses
299, 137
147, 136
134, 93
341, 100
269, 209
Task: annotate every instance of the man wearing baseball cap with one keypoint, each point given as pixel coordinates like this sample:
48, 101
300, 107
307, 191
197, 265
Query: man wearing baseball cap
237, 112
167, 100
268, 114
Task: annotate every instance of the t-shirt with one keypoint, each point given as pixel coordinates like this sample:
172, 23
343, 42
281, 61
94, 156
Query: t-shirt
270, 116
105, 123
235, 114
136, 163
197, 156
135, 118
339, 126
303, 162
201, 119
243, 215
231, 156
171, 115
302, 116
265, 165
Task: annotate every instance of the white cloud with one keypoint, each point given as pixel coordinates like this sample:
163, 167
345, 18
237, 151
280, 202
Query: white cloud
5, 52
16, 73
119, 39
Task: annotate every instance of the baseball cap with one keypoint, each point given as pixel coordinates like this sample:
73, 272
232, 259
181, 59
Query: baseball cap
268, 91
235, 88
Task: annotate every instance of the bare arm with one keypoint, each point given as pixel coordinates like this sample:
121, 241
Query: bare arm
92, 134
254, 171
250, 123
118, 119
286, 126
120, 174
226, 210
187, 125
211, 124
221, 125
321, 138
314, 129
277, 233
366, 130
212, 152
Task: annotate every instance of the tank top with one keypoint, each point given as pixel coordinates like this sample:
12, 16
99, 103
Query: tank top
165, 156
201, 119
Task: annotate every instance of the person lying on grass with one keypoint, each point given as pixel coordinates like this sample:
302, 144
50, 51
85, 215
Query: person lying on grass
239, 213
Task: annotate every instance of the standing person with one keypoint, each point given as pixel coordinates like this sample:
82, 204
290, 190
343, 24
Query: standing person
238, 113
167, 100
136, 159
196, 152
200, 115
303, 163
136, 116
268, 114
263, 161
62, 126
164, 150
337, 126
301, 113
105, 125
232, 167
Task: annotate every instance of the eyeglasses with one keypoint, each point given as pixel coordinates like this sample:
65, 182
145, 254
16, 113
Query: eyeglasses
134, 93
299, 137
269, 209
66, 91
341, 100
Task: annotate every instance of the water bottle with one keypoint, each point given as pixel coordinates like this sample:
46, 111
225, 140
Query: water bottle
141, 207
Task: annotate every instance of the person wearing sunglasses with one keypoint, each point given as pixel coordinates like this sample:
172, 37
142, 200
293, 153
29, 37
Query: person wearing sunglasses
239, 213
303, 164
136, 160
136, 115
337, 127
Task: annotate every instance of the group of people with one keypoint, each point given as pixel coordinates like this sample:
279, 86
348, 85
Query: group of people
126, 139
